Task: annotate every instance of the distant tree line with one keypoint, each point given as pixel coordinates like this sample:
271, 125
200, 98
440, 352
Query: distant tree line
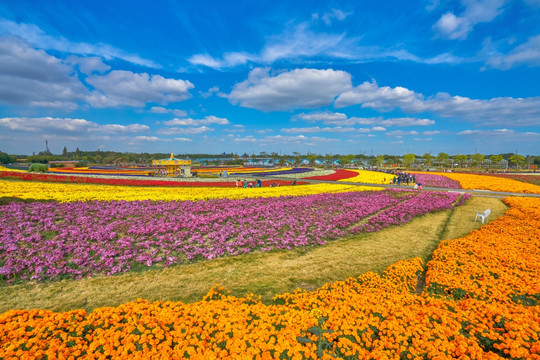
408, 160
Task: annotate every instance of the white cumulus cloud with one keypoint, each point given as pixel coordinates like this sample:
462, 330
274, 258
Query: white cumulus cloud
298, 88
407, 121
30, 77
193, 122
66, 126
317, 129
476, 11
489, 112
185, 130
37, 37
120, 87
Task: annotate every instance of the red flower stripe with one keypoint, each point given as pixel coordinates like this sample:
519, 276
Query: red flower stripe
339, 174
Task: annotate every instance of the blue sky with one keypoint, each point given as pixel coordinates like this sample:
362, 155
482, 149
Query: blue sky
388, 77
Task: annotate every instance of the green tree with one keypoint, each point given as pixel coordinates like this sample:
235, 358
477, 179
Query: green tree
519, 160
496, 159
379, 160
477, 159
442, 159
408, 159
65, 152
311, 158
428, 159
461, 159
4, 158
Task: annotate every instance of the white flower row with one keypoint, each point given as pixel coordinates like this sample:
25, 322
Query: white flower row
304, 175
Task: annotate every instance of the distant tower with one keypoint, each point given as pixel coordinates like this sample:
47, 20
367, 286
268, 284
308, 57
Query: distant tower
47, 150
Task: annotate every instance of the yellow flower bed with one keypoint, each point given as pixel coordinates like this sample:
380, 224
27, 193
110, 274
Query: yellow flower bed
484, 307
493, 183
2, 168
84, 192
370, 177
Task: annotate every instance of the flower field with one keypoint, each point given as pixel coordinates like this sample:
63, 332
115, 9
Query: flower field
49, 240
528, 178
368, 177
493, 183
87, 192
3, 168
480, 300
475, 266
404, 211
438, 181
99, 171
369, 317
339, 174
359, 176
118, 180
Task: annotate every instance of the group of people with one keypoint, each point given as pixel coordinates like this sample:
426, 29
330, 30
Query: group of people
249, 184
403, 177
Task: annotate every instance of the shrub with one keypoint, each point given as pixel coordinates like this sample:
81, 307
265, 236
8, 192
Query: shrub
35, 167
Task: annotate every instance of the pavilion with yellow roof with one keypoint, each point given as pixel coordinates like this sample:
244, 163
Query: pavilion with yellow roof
174, 166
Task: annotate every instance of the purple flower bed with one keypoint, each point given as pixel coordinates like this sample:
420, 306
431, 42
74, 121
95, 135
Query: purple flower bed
439, 181
282, 172
48, 240
403, 212
40, 241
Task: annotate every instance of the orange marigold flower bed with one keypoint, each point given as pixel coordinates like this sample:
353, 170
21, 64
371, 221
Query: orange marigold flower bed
500, 261
527, 178
493, 183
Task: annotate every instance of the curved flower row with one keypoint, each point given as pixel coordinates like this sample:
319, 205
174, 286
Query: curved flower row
438, 181
140, 181
339, 174
3, 168
86, 192
369, 177
49, 240
88, 171
403, 212
281, 171
312, 174
500, 261
370, 317
493, 183
527, 178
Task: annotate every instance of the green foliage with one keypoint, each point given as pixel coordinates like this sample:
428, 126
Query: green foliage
461, 159
496, 159
6, 158
527, 300
442, 158
428, 159
36, 167
477, 159
323, 345
42, 159
408, 159
519, 160
379, 160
